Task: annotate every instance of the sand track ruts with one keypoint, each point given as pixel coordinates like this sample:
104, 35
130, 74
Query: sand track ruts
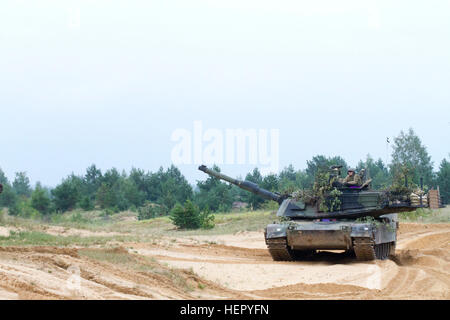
232, 267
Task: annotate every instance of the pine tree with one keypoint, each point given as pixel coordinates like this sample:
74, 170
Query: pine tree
187, 217
21, 184
409, 154
40, 200
443, 180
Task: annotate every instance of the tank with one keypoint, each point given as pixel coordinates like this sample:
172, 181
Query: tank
361, 221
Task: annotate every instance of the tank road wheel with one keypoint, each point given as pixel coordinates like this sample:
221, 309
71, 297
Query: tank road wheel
382, 250
279, 250
366, 250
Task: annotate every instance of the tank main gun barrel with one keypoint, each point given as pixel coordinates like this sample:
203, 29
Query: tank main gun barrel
246, 185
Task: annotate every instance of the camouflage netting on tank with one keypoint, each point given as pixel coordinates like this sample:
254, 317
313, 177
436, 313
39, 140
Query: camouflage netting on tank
307, 196
402, 186
323, 195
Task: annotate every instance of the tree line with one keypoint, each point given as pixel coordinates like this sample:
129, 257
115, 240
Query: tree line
157, 193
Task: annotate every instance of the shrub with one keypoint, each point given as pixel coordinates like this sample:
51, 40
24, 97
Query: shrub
77, 217
107, 212
151, 210
14, 209
2, 216
86, 203
8, 197
40, 200
187, 217
190, 217
270, 206
418, 214
65, 196
207, 219
24, 209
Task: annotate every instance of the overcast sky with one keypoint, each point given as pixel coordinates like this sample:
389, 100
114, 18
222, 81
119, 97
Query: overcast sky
108, 82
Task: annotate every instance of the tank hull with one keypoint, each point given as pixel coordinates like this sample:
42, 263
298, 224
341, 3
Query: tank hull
364, 238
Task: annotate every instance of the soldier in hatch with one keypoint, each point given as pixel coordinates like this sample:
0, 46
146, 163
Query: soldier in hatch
352, 179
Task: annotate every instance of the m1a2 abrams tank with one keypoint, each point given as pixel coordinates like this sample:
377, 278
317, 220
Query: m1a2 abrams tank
356, 219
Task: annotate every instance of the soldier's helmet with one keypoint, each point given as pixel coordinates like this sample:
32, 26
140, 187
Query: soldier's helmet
351, 169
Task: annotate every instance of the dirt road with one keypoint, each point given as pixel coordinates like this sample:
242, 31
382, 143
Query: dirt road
227, 267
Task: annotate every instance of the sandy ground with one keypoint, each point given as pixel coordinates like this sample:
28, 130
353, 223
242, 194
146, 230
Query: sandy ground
5, 231
65, 232
232, 267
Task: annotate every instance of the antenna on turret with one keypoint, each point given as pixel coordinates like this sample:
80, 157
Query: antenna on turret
387, 150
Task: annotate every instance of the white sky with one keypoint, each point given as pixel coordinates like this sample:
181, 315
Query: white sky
107, 82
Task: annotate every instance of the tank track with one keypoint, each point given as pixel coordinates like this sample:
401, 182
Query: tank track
366, 250
279, 250
392, 249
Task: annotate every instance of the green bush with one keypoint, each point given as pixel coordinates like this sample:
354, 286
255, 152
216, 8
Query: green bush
107, 212
187, 217
2, 216
77, 217
206, 219
15, 208
151, 210
24, 209
418, 214
40, 200
65, 195
270, 205
86, 203
190, 217
8, 197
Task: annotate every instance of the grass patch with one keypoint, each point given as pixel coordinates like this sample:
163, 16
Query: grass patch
114, 255
125, 223
225, 223
230, 223
426, 215
27, 238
